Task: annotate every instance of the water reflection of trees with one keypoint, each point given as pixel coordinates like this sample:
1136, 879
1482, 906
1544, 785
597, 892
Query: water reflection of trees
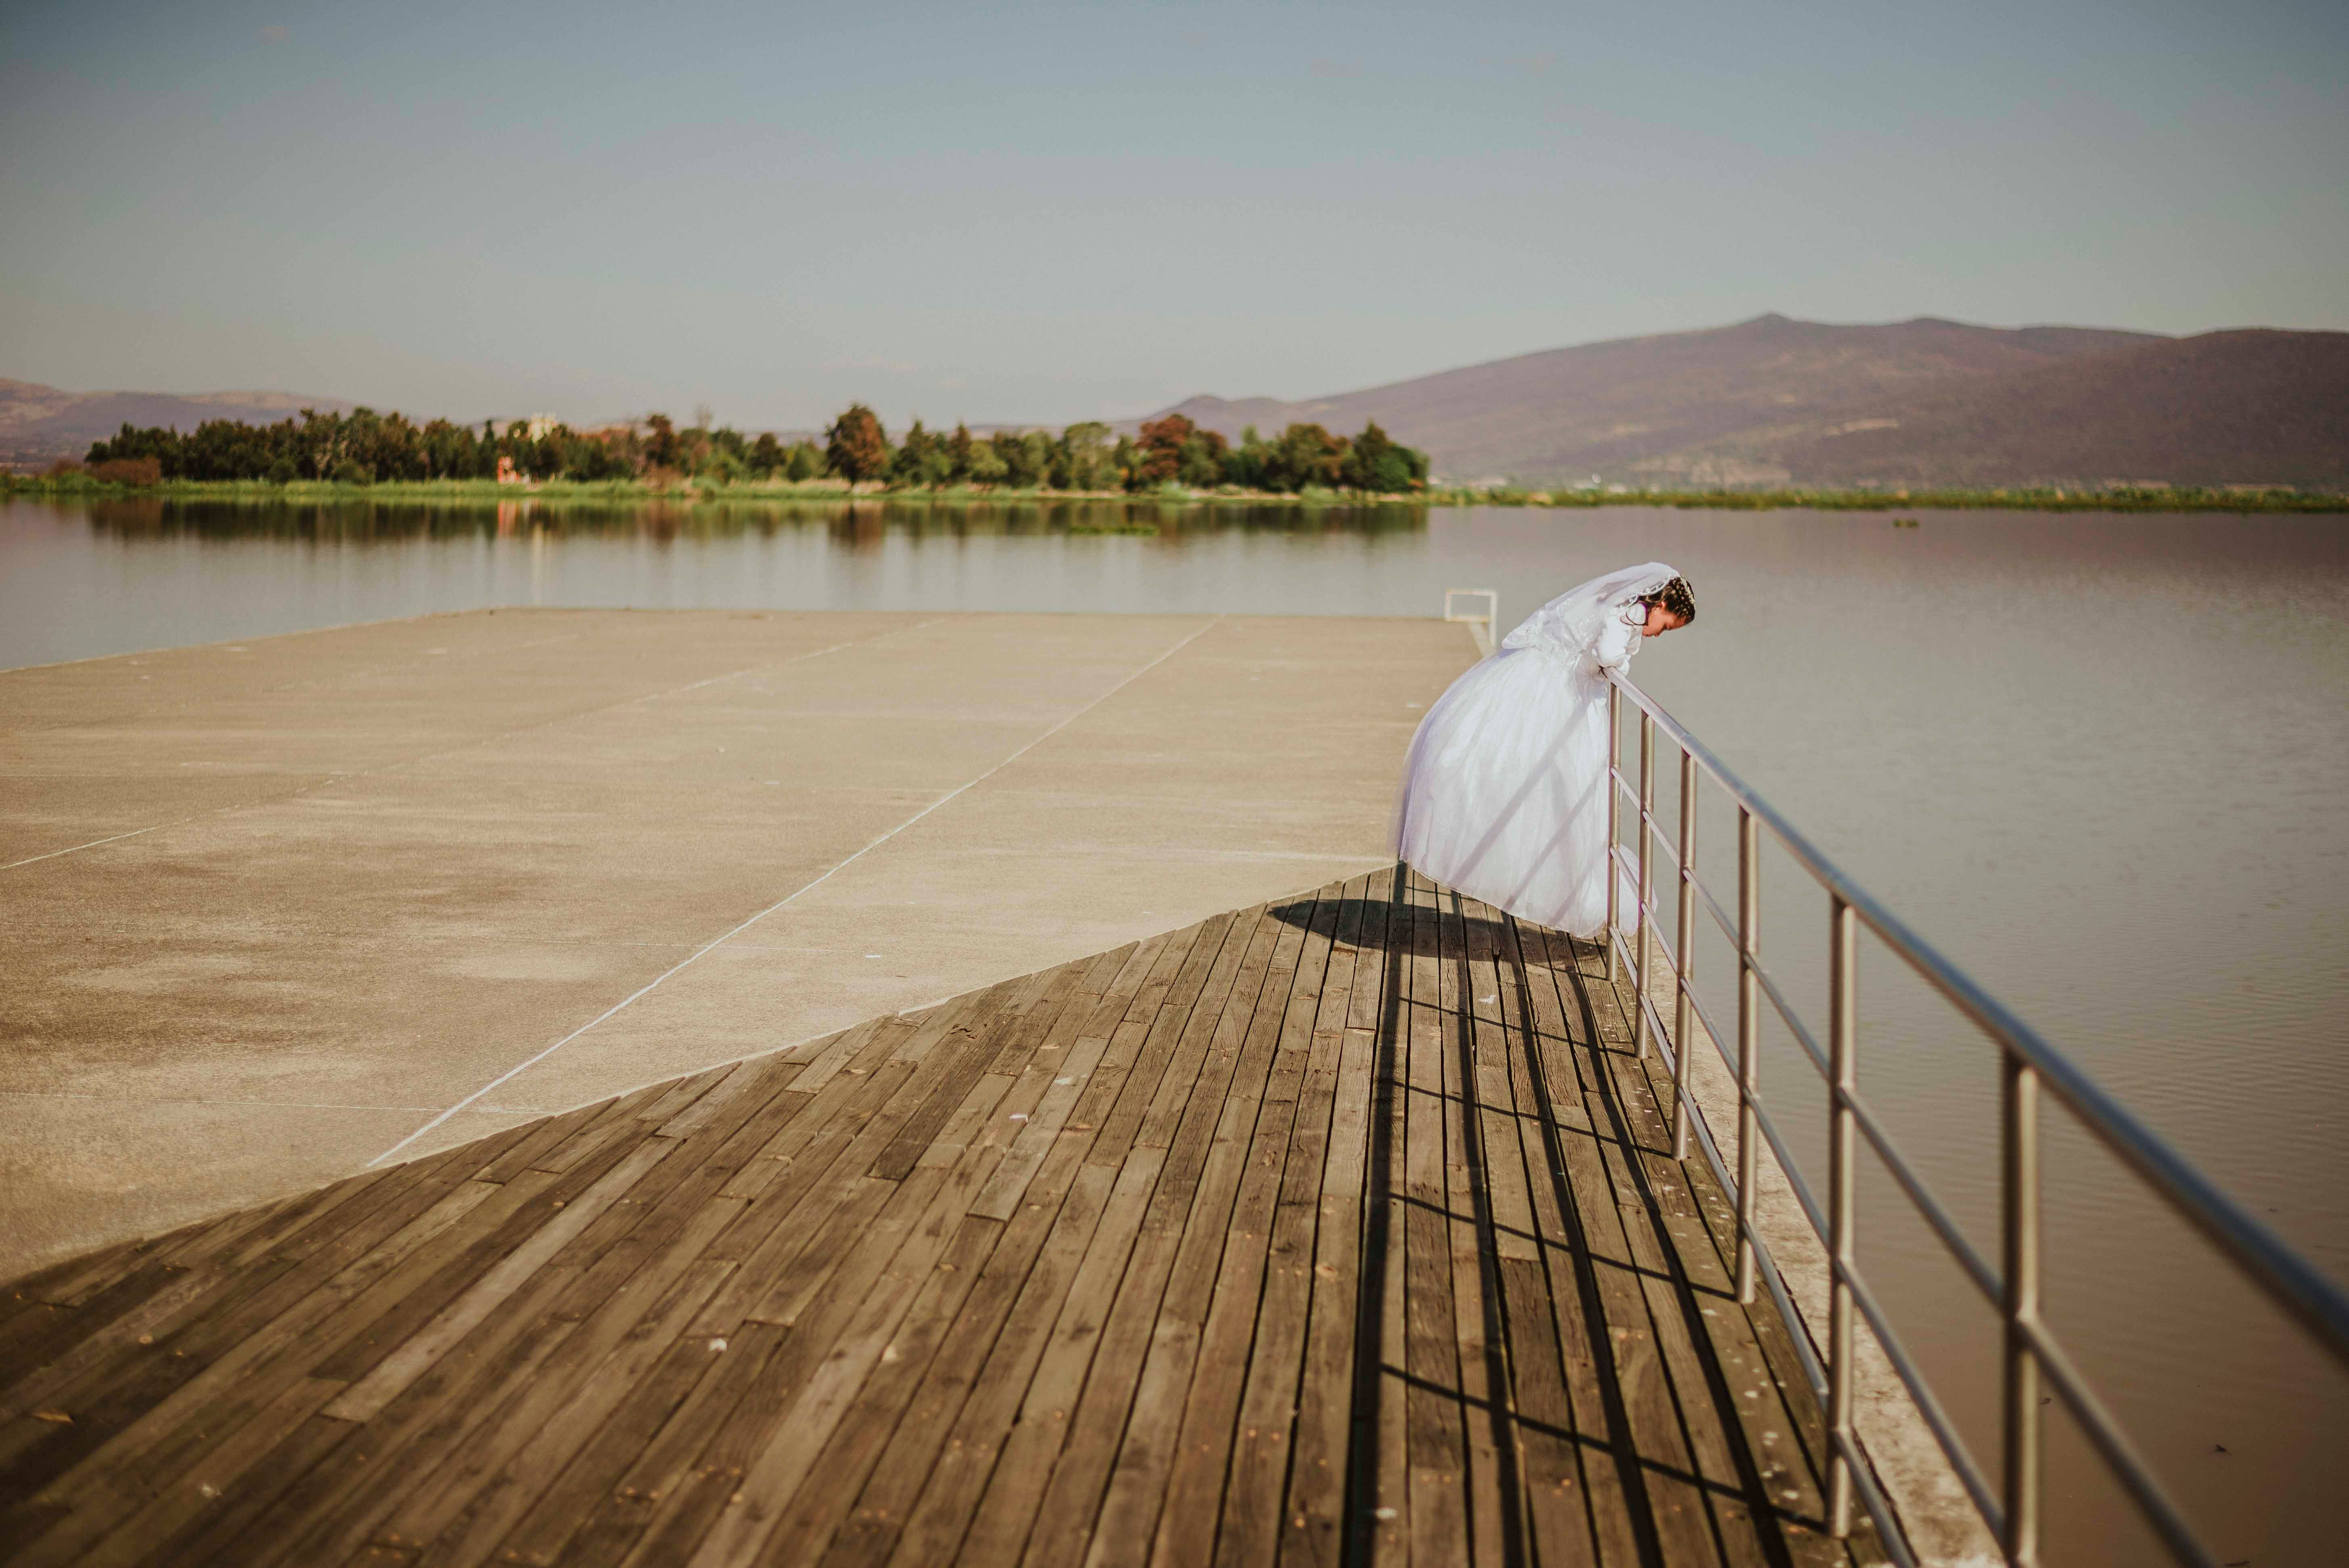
853, 524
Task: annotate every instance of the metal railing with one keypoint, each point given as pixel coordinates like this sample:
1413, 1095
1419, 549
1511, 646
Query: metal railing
2013, 1510
1480, 625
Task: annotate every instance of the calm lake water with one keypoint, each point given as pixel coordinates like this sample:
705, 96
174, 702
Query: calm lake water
2097, 759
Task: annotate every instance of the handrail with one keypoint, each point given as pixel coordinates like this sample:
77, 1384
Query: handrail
1985, 1278
2294, 1283
1929, 1405
2032, 1350
1480, 628
1785, 1009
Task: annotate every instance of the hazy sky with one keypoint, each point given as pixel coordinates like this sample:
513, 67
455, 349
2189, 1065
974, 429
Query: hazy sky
1044, 212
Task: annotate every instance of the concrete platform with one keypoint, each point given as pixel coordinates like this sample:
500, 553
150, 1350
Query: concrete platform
277, 910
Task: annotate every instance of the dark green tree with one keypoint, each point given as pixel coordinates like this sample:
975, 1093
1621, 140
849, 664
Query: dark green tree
661, 447
1027, 458
1244, 465
1082, 458
1200, 463
923, 458
1376, 462
984, 465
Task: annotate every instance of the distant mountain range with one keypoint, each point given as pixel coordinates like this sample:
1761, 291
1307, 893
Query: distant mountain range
1773, 401
40, 422
1770, 401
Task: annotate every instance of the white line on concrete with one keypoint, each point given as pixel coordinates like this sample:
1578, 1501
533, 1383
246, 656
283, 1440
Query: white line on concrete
485, 740
118, 837
683, 963
903, 1011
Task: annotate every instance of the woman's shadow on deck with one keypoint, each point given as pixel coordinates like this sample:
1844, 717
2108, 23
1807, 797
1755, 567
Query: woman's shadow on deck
1416, 931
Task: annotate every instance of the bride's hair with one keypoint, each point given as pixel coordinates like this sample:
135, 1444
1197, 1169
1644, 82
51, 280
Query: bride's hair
1676, 596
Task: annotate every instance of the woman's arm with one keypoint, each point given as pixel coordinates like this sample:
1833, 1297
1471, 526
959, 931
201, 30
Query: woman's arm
1619, 636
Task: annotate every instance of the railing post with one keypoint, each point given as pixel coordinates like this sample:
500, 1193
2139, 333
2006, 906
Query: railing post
1647, 887
1843, 1209
1749, 1039
1614, 820
2020, 1193
1684, 944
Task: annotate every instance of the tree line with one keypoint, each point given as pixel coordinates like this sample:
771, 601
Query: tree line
364, 447
1083, 456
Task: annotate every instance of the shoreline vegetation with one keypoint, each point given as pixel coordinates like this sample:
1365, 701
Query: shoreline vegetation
364, 448
366, 456
787, 493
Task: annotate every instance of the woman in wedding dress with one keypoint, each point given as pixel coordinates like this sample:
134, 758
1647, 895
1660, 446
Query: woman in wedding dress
1504, 789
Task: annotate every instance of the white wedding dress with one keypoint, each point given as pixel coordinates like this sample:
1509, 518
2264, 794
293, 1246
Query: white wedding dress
1504, 789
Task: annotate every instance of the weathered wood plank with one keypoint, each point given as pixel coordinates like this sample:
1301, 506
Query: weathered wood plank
1532, 1426
458, 1513
1496, 1522
360, 1478
1761, 1452
931, 1530
1017, 1044
1380, 1486
1118, 1443
822, 1504
954, 1068
618, 1124
1543, 1082
1037, 1429
686, 1448
1111, 1322
1435, 1434
1314, 1520
1051, 1213
1210, 1149
250, 1358
129, 1412
1128, 1069
776, 1231
335, 1489
418, 1351
54, 1332
841, 1281
181, 1498
1153, 1023
678, 1095
1664, 1479
1259, 1480
539, 1138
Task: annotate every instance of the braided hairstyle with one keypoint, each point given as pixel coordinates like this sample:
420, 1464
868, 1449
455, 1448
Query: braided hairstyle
1676, 596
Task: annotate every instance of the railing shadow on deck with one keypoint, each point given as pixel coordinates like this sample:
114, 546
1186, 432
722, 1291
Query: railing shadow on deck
1452, 939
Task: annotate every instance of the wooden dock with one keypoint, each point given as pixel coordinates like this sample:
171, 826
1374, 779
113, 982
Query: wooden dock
1343, 1229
